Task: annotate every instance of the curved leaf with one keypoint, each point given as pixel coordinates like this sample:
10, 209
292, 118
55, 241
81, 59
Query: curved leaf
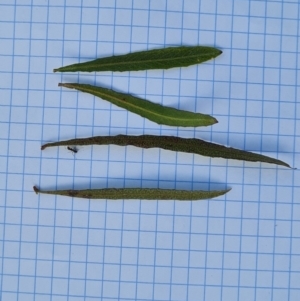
152, 111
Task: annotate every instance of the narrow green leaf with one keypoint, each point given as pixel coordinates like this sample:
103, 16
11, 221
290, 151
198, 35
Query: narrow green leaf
165, 58
154, 112
187, 145
137, 193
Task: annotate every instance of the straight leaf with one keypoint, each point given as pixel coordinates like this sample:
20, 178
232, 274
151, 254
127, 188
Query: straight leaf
137, 193
154, 112
187, 145
165, 58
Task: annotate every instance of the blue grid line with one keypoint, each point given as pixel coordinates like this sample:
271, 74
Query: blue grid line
104, 236
76, 118
171, 297
6, 181
168, 181
24, 154
112, 298
278, 130
161, 266
143, 161
156, 77
145, 179
146, 282
152, 44
204, 81
259, 190
225, 208
209, 174
156, 44
162, 231
156, 10
76, 128
158, 176
293, 176
169, 11
193, 187
91, 6
37, 232
166, 130
91, 154
243, 179
120, 280
150, 214
55, 204
166, 266
85, 58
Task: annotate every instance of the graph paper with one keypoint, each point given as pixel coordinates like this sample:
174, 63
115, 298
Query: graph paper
241, 246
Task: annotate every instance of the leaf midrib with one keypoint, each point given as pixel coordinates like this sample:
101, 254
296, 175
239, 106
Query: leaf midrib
134, 106
136, 62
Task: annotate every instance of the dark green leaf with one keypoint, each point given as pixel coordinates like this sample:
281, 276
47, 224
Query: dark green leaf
165, 58
187, 145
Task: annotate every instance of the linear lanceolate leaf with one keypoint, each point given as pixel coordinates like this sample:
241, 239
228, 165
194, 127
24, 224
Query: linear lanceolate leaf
165, 58
137, 193
152, 111
188, 145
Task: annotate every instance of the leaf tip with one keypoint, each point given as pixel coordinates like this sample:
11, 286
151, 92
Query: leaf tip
55, 70
225, 191
67, 85
213, 121
36, 190
282, 163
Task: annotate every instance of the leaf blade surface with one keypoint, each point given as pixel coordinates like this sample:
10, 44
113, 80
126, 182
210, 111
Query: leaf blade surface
152, 111
166, 58
137, 193
187, 145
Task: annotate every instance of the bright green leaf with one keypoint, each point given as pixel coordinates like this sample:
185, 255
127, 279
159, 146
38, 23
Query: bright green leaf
152, 111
